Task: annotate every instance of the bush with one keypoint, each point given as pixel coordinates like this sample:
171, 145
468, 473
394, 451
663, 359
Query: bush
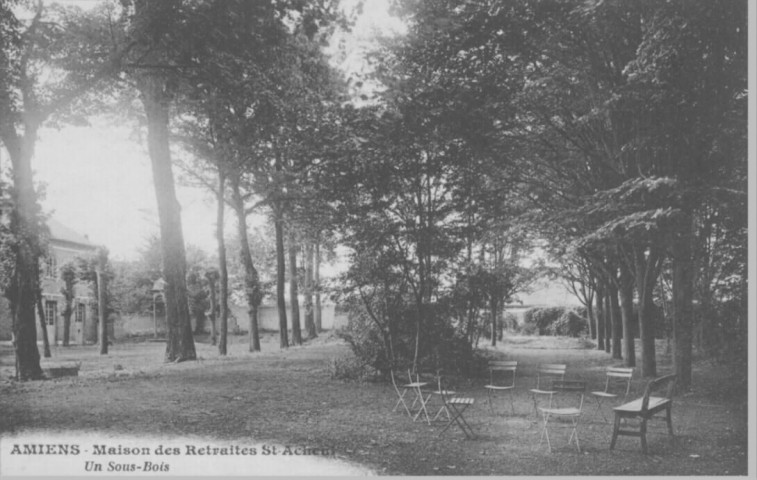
540, 319
564, 321
570, 324
440, 347
510, 322
349, 368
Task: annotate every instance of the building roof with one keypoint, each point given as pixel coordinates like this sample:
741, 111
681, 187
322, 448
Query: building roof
62, 233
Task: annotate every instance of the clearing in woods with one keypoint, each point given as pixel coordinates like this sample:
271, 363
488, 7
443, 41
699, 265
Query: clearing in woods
289, 397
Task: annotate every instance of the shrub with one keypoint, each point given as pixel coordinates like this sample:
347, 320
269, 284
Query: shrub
349, 368
540, 319
570, 324
510, 322
440, 346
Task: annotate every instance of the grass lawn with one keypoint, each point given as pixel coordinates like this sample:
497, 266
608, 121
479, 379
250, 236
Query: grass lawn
288, 397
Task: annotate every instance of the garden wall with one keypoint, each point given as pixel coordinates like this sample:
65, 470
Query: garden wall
268, 319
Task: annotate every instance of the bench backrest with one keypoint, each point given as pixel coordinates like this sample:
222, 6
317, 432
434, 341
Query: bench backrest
550, 370
666, 383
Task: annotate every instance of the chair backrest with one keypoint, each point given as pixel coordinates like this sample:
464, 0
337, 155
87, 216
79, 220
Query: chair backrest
397, 382
618, 375
551, 370
441, 385
394, 381
504, 370
666, 383
572, 387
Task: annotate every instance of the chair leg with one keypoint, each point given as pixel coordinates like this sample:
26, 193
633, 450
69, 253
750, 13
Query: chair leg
599, 409
574, 434
489, 399
545, 433
457, 417
401, 401
615, 431
512, 401
469, 432
543, 429
422, 409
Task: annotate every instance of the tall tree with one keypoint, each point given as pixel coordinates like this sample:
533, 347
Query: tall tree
156, 28
694, 131
294, 301
76, 47
68, 277
309, 282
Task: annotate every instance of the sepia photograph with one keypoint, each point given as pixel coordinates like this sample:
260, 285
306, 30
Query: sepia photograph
244, 238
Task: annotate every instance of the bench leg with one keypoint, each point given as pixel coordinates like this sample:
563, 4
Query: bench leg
669, 420
644, 435
615, 431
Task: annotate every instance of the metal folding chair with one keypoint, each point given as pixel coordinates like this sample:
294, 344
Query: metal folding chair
441, 389
501, 378
545, 372
400, 394
457, 406
614, 376
564, 416
414, 386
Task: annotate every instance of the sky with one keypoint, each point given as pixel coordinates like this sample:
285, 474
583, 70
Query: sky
99, 180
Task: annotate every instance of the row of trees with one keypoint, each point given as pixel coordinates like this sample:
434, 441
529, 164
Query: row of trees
228, 75
622, 124
610, 134
617, 130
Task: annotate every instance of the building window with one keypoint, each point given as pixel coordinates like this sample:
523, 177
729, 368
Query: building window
51, 265
81, 312
51, 311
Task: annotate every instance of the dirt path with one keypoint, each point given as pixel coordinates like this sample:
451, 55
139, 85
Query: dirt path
288, 397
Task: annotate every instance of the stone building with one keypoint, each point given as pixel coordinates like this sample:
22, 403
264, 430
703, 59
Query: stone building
65, 246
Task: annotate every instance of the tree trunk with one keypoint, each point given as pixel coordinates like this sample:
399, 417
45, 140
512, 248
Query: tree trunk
213, 307
66, 325
617, 322
590, 314
102, 319
683, 311
293, 293
646, 274
199, 315
280, 277
608, 319
24, 284
317, 287
600, 299
223, 271
251, 277
41, 315
626, 310
493, 303
309, 321
180, 342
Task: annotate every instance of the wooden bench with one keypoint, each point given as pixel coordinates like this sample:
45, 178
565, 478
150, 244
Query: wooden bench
645, 408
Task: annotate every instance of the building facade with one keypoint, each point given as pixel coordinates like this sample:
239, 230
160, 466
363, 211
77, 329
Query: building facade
65, 246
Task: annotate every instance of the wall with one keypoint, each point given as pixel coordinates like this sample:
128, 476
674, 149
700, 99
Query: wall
268, 319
